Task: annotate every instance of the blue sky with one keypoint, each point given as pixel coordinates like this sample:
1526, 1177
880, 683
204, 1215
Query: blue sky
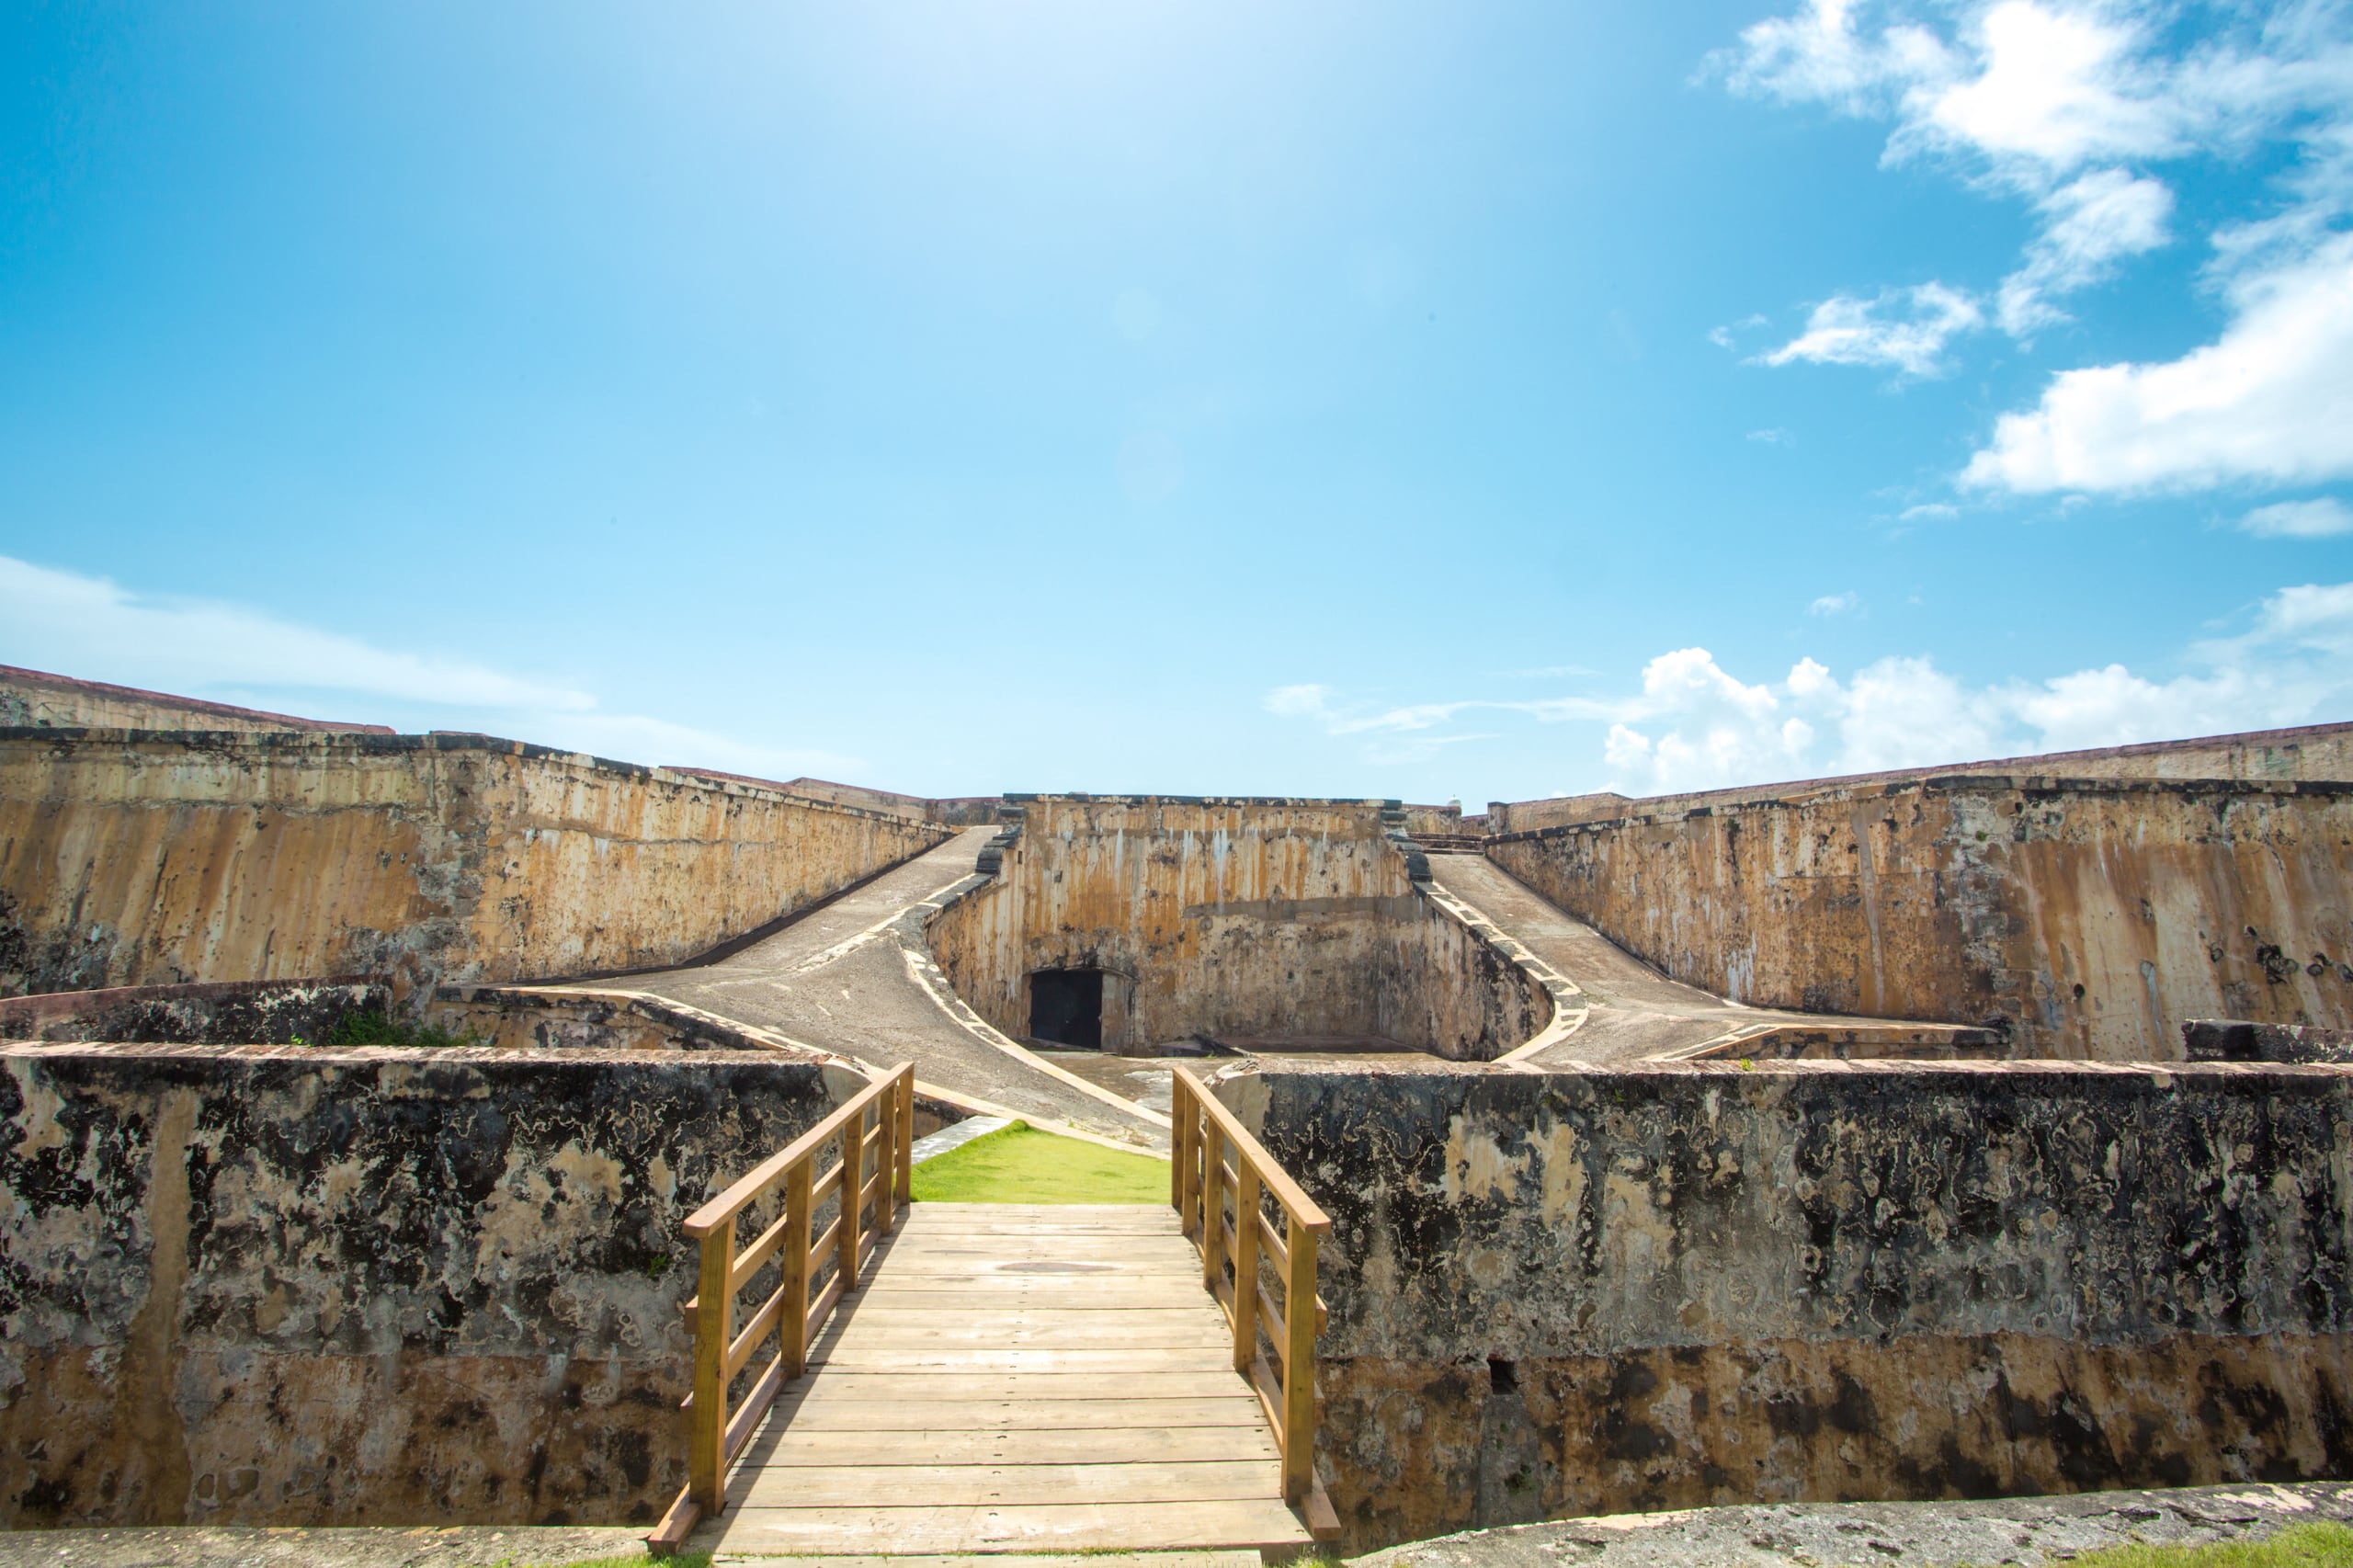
1346, 399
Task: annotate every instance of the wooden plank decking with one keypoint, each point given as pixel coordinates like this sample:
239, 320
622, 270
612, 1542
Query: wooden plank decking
1016, 1377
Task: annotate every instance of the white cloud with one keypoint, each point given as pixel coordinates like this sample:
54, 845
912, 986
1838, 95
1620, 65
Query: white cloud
2322, 518
1775, 437
84, 626
1905, 328
2271, 400
2067, 103
2057, 88
1927, 510
1833, 604
1298, 701
2100, 217
1694, 724
92, 629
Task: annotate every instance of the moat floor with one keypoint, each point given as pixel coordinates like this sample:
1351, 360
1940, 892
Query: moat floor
1016, 1377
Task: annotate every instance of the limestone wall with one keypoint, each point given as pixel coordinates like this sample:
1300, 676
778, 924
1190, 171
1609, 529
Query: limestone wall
2089, 918
1650, 1287
2311, 752
132, 858
1233, 919
34, 699
272, 1285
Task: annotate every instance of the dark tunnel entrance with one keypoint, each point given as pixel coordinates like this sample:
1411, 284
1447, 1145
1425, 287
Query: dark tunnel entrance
1066, 1008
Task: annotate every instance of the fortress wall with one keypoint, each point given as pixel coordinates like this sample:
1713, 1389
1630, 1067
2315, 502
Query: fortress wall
34, 699
1647, 1287
2089, 918
133, 858
270, 1286
1231, 918
2313, 751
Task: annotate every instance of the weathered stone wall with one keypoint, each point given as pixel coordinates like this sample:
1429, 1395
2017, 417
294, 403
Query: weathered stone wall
1660, 1287
2313, 751
242, 1012
132, 858
1232, 918
272, 1285
2089, 918
33, 699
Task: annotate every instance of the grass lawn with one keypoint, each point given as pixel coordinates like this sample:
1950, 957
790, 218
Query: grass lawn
2302, 1546
1021, 1165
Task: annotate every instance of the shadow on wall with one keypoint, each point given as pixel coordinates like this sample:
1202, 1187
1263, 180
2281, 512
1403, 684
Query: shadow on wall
1176, 918
1644, 1287
2082, 918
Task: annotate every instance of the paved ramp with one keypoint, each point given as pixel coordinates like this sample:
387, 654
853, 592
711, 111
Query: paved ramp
1637, 1011
837, 978
1016, 1377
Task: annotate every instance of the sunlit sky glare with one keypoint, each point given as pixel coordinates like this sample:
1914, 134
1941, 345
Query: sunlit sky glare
1363, 399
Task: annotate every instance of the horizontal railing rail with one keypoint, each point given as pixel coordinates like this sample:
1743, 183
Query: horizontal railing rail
716, 1435
1239, 1251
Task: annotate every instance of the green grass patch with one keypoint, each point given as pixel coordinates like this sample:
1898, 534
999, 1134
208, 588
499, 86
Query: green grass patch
369, 1027
1021, 1165
2325, 1545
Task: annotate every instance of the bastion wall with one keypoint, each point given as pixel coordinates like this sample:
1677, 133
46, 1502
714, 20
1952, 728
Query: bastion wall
1232, 919
274, 1286
1658, 1287
144, 858
2086, 918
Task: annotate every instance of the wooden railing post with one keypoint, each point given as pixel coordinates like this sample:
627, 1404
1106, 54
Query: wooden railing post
1299, 1367
1181, 1116
903, 1182
714, 1330
795, 1268
853, 1197
1213, 1208
1246, 1263
886, 1159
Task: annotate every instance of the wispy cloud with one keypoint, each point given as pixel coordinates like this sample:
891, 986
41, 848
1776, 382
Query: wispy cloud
1691, 723
1774, 438
2324, 519
1833, 604
1904, 328
97, 630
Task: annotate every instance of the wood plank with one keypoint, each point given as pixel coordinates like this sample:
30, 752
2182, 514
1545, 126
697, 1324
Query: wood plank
949, 1213
1049, 1330
931, 1292
973, 1485
1045, 1266
1029, 1560
1068, 1527
937, 1387
1131, 1442
1103, 1364
827, 1412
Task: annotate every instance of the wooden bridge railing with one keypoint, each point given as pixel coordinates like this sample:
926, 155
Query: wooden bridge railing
721, 1350
1238, 1250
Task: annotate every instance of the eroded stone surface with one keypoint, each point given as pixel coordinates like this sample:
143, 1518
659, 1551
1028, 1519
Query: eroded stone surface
1652, 1286
299, 1287
2027, 1531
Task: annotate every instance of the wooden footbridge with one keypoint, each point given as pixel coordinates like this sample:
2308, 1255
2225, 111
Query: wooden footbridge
970, 1379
